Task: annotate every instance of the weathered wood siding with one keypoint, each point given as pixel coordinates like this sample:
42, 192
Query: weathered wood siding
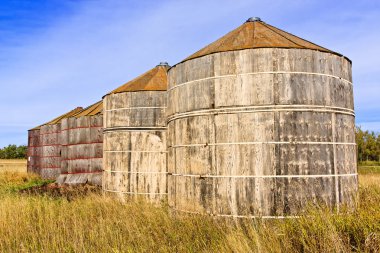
261, 132
134, 158
64, 140
82, 150
50, 151
34, 151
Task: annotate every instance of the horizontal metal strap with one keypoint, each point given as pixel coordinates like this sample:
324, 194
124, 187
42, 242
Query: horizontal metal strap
135, 172
263, 142
41, 134
84, 127
137, 193
133, 129
82, 172
263, 108
134, 151
264, 176
259, 73
238, 216
82, 158
51, 156
133, 108
48, 145
82, 143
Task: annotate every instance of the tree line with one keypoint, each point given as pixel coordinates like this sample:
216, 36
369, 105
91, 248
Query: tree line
13, 152
368, 145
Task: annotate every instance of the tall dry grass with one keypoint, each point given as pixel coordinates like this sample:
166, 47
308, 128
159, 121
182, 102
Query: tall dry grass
12, 165
93, 223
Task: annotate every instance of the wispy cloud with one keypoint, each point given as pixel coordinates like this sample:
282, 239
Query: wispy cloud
98, 45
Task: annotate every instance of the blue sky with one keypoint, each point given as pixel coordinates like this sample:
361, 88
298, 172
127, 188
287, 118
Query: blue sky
59, 54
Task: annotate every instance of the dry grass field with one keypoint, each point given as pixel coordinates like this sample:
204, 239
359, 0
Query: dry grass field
18, 165
90, 222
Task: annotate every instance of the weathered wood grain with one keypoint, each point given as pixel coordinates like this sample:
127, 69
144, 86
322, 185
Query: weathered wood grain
50, 151
82, 150
261, 132
34, 151
135, 145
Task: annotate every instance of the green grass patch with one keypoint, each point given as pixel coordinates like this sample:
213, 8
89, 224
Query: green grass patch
365, 170
369, 163
13, 182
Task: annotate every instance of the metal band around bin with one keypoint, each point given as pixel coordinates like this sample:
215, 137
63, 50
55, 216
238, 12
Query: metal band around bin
262, 108
135, 108
134, 172
137, 193
264, 142
238, 216
264, 176
135, 151
133, 129
259, 73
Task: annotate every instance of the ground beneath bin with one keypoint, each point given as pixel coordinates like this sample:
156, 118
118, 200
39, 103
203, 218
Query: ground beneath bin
69, 192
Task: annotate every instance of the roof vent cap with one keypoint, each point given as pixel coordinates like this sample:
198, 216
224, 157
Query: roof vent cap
163, 63
253, 19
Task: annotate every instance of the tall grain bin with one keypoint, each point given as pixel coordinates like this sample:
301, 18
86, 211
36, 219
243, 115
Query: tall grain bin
134, 158
260, 123
82, 146
34, 150
50, 159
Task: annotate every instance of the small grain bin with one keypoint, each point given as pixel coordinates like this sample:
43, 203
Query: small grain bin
82, 146
50, 159
134, 158
34, 150
260, 123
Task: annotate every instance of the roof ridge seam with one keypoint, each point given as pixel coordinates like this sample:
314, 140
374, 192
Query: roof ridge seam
95, 107
253, 33
324, 48
282, 35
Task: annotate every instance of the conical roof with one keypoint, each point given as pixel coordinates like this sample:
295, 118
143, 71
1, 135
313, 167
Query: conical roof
91, 110
58, 119
254, 33
155, 79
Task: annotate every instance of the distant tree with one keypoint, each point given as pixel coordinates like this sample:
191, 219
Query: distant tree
359, 137
21, 152
13, 152
368, 145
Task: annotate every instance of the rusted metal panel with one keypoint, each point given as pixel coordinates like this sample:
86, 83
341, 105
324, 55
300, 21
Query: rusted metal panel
49, 149
82, 147
152, 80
257, 34
34, 151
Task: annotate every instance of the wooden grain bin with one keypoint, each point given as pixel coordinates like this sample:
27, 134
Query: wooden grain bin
50, 159
260, 123
34, 150
82, 146
134, 158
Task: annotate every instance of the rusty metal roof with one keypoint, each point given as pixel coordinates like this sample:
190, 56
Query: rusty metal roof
91, 110
58, 119
155, 79
256, 34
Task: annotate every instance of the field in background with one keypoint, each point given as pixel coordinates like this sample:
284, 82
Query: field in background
369, 174
18, 165
93, 223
